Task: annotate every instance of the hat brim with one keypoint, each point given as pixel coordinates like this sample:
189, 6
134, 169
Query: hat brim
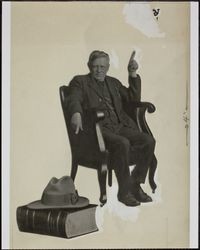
82, 202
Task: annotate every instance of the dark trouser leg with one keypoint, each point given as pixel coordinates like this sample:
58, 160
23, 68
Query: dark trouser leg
141, 152
118, 147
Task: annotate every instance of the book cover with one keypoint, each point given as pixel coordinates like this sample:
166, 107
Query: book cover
65, 223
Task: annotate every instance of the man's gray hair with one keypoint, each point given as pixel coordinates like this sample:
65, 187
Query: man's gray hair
97, 54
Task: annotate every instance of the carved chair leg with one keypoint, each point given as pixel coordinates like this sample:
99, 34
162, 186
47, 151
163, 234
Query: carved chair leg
110, 177
74, 169
152, 170
102, 174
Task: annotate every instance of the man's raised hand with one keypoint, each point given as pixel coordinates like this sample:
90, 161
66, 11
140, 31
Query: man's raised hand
132, 65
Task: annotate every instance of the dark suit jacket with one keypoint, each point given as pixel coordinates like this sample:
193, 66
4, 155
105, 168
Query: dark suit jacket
84, 95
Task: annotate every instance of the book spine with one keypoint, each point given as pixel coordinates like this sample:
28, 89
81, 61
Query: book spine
41, 221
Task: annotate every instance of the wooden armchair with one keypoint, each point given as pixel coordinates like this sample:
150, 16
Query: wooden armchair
88, 148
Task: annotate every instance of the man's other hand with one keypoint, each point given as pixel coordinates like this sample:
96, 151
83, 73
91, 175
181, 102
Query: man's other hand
76, 122
132, 65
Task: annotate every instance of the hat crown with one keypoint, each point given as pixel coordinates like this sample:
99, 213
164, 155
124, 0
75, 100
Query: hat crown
60, 191
63, 185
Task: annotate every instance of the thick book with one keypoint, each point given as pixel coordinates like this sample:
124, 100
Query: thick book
65, 223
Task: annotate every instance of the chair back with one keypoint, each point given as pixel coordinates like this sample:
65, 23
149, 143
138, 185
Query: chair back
64, 95
87, 155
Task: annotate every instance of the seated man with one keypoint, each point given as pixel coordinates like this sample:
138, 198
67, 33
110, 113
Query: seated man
97, 90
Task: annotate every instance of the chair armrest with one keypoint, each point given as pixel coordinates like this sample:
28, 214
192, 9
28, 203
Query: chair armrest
96, 116
99, 115
147, 105
137, 111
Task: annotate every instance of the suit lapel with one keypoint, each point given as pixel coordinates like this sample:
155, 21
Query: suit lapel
93, 86
114, 94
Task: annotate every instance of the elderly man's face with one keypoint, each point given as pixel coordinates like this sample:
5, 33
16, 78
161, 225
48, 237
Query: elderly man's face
99, 68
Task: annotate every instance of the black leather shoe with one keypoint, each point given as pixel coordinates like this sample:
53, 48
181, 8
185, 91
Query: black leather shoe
141, 196
129, 200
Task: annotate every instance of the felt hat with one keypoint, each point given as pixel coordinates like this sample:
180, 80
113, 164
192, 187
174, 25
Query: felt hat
60, 193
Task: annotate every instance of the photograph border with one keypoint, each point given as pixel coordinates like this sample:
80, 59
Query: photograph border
194, 113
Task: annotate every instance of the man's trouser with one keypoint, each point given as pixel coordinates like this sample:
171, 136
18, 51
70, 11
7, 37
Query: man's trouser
128, 147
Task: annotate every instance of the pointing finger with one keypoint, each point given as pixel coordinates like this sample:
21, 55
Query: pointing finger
132, 56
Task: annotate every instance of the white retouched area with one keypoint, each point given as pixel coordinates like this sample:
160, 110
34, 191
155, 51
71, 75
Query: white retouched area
140, 16
114, 59
116, 208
